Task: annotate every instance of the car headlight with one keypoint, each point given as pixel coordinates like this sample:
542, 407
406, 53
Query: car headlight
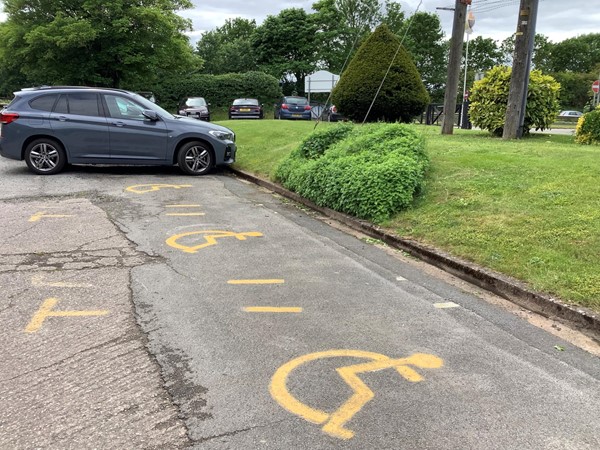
223, 135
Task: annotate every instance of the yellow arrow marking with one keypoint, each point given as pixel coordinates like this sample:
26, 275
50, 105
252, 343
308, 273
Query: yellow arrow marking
334, 423
210, 236
37, 216
46, 311
145, 188
38, 280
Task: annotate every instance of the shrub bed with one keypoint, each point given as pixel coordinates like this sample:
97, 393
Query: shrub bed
370, 171
588, 128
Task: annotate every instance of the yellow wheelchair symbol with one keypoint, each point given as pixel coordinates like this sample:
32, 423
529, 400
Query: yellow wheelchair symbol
145, 188
333, 424
210, 236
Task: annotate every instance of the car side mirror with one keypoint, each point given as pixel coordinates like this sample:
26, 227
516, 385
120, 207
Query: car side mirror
151, 115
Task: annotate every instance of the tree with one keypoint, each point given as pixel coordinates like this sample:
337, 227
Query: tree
489, 99
425, 42
542, 52
579, 54
228, 49
285, 45
403, 95
98, 42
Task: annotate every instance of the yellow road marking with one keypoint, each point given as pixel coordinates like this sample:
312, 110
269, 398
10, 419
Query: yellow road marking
46, 311
38, 280
185, 214
334, 422
210, 237
145, 188
272, 309
446, 305
182, 206
256, 281
37, 216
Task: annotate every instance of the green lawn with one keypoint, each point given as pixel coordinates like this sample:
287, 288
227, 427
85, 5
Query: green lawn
529, 208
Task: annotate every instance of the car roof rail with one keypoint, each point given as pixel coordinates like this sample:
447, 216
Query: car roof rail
45, 87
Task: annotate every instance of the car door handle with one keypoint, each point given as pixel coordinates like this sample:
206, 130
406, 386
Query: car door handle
119, 124
62, 118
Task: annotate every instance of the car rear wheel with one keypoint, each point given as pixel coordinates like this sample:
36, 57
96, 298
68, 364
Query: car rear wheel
195, 158
45, 156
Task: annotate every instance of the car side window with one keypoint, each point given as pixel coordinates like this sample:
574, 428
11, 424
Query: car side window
44, 103
84, 104
62, 106
123, 108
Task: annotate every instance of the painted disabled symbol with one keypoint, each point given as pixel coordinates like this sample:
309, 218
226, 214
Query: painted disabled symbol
210, 238
334, 423
145, 188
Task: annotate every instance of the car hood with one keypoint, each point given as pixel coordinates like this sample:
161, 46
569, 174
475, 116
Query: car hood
194, 123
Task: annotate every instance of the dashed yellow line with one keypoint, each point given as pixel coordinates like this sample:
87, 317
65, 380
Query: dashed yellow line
272, 309
275, 281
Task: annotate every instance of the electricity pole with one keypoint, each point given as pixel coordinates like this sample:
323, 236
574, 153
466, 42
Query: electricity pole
519, 80
458, 34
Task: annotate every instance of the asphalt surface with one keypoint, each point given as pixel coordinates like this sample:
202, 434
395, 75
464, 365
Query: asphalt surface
129, 316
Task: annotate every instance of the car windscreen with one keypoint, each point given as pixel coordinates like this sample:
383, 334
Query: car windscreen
245, 101
195, 102
152, 106
296, 101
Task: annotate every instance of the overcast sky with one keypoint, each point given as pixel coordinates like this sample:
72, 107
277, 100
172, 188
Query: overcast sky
557, 19
496, 19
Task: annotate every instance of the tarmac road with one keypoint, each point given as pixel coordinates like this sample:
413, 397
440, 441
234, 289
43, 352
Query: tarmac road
145, 309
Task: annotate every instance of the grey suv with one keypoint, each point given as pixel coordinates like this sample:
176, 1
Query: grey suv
50, 127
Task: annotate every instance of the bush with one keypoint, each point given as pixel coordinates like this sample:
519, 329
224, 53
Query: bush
588, 128
218, 90
403, 95
489, 99
371, 171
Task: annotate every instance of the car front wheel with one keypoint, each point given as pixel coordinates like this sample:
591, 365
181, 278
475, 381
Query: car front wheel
45, 156
195, 158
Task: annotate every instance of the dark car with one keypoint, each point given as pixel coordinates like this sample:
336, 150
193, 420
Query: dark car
195, 107
50, 127
245, 108
292, 107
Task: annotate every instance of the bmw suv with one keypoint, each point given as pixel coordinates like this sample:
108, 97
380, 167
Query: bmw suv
50, 127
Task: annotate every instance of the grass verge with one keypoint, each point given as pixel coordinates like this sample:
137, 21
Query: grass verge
529, 208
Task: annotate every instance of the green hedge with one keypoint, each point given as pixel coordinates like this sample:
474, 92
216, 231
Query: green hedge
370, 171
588, 128
218, 90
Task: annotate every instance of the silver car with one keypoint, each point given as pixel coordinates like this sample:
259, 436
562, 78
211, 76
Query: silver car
50, 127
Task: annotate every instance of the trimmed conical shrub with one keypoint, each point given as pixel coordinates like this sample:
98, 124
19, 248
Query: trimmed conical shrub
403, 95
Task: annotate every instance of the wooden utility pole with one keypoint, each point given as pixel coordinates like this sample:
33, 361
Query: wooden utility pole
519, 80
458, 34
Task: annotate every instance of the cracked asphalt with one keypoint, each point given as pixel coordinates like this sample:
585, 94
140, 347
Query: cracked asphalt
129, 319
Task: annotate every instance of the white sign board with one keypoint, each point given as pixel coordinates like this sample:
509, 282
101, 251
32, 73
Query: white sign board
321, 81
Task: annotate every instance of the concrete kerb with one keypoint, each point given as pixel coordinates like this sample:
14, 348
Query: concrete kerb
502, 285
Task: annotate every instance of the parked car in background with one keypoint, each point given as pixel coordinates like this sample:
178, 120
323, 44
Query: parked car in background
570, 114
292, 107
333, 115
50, 127
195, 107
246, 108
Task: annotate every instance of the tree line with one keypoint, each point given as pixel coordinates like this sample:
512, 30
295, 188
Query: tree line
139, 44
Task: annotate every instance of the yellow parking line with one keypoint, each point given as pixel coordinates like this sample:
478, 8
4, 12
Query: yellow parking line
272, 309
256, 282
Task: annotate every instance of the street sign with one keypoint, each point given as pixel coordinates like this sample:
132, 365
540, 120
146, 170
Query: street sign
596, 86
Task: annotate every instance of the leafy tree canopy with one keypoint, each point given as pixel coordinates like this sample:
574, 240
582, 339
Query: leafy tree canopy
228, 49
116, 43
286, 45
